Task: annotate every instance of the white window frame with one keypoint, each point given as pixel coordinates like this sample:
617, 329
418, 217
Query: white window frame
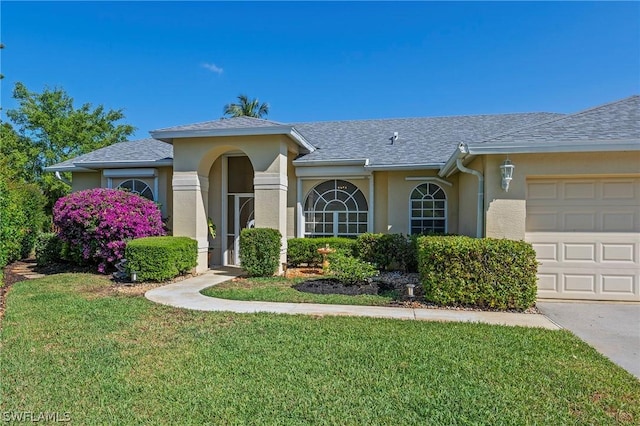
129, 174
445, 209
336, 223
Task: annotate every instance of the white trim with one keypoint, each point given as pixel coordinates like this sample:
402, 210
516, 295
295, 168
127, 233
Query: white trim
225, 208
428, 179
300, 215
131, 173
371, 205
338, 161
560, 146
416, 166
446, 207
121, 164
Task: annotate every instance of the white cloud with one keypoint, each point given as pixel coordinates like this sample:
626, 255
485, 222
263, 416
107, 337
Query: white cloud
213, 68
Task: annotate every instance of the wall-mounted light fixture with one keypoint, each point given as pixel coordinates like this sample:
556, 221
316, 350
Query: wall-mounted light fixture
506, 170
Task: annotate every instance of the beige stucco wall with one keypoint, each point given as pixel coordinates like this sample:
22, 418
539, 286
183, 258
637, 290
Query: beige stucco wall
381, 204
506, 211
392, 192
85, 180
399, 192
193, 160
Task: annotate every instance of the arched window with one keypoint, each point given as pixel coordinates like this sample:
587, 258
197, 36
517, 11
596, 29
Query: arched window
137, 186
335, 208
428, 209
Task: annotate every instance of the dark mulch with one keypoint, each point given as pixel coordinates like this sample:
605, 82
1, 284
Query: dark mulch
332, 286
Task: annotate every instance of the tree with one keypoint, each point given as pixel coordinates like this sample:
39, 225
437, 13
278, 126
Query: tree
247, 107
48, 130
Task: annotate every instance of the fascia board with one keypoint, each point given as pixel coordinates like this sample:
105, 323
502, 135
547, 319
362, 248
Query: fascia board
68, 169
119, 164
337, 162
562, 146
416, 166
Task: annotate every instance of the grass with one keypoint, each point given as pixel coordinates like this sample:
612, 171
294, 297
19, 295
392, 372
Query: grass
69, 346
278, 289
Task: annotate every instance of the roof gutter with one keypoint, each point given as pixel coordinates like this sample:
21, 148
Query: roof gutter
62, 178
118, 164
566, 146
337, 162
462, 153
417, 166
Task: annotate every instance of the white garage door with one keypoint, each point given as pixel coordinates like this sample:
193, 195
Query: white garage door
586, 233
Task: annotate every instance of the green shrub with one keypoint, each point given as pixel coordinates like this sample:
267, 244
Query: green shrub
388, 251
348, 269
260, 251
161, 258
487, 273
305, 250
21, 219
48, 248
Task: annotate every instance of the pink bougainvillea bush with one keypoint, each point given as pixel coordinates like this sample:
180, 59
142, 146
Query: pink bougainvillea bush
97, 223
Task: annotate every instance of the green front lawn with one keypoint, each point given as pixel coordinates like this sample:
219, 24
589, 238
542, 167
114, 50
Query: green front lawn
278, 289
69, 346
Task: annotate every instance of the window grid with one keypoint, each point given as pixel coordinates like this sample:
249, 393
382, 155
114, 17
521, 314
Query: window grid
335, 208
138, 187
428, 209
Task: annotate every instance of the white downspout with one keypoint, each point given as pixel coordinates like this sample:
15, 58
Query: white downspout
480, 212
62, 178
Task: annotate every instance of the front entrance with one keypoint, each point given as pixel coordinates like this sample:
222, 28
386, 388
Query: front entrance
240, 216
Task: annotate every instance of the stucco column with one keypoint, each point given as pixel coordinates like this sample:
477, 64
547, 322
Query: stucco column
190, 198
270, 191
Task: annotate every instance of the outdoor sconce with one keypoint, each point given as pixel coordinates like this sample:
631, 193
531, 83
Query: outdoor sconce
506, 170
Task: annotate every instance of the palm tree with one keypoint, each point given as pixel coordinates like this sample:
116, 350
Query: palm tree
247, 107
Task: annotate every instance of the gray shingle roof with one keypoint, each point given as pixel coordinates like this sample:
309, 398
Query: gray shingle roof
609, 123
223, 123
420, 140
143, 151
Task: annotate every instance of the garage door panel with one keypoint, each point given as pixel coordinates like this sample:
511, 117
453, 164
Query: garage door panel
619, 284
618, 253
618, 221
580, 191
586, 234
619, 190
579, 252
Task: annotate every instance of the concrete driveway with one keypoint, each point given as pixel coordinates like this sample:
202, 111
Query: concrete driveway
613, 329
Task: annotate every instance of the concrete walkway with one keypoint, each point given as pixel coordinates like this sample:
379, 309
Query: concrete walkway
186, 294
612, 328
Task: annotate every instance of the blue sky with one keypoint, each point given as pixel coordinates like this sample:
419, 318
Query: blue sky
170, 63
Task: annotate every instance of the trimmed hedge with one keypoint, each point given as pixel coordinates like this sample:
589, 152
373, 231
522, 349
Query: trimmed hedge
487, 273
48, 248
388, 251
22, 218
305, 250
348, 269
161, 258
260, 251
